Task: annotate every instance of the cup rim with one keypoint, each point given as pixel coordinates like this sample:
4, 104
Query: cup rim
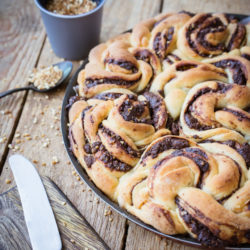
38, 4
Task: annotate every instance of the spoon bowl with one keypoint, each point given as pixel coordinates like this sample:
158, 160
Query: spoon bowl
66, 68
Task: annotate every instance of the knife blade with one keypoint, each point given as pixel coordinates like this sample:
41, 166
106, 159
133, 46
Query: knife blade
38, 214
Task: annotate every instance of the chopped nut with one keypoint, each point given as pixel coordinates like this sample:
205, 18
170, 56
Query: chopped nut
45, 145
73, 241
54, 160
44, 164
35, 120
45, 78
35, 161
64, 203
110, 219
7, 181
17, 135
70, 7
107, 212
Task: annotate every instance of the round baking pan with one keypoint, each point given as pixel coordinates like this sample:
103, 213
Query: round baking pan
70, 91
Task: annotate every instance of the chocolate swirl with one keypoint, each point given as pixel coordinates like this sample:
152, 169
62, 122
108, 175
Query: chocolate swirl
202, 118
208, 35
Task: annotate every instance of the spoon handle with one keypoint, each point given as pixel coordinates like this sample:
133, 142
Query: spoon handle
10, 91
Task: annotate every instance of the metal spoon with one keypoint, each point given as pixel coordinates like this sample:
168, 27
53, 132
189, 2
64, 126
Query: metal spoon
66, 68
245, 21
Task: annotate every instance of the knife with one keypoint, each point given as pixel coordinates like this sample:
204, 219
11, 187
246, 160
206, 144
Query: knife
38, 214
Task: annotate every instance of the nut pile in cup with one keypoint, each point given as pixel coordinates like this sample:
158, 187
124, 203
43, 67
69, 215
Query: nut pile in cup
45, 78
70, 7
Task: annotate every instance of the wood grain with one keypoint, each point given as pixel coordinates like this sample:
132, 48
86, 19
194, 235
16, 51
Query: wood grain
227, 6
21, 40
75, 232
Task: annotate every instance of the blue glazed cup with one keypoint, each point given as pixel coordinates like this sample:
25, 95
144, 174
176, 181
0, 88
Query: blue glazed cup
72, 37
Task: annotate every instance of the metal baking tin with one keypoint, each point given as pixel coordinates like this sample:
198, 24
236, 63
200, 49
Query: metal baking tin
185, 239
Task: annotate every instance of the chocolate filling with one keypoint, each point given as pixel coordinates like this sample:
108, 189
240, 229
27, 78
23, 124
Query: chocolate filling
107, 96
132, 113
87, 148
203, 233
146, 56
123, 64
242, 149
112, 80
240, 116
212, 26
156, 104
71, 139
83, 114
173, 126
89, 160
72, 100
110, 162
161, 43
169, 60
191, 121
166, 144
186, 12
237, 37
114, 138
185, 66
246, 56
237, 67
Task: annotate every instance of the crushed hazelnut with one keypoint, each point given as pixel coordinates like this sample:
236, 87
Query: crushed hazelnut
70, 7
54, 160
45, 78
7, 181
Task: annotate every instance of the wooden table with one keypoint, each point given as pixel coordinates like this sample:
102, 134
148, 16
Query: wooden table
30, 122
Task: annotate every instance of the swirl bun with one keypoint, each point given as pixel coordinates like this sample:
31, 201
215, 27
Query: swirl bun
180, 186
212, 108
113, 66
108, 132
208, 35
161, 124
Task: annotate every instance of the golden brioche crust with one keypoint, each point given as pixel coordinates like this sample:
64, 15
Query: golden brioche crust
161, 124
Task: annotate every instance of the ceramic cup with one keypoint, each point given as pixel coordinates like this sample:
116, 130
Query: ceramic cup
72, 37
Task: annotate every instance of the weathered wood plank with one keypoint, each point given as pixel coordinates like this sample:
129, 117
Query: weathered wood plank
47, 113
120, 16
240, 6
75, 232
21, 39
139, 238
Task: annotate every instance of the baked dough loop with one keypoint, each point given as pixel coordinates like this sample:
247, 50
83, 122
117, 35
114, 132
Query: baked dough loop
113, 66
209, 35
109, 131
212, 108
175, 82
179, 186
